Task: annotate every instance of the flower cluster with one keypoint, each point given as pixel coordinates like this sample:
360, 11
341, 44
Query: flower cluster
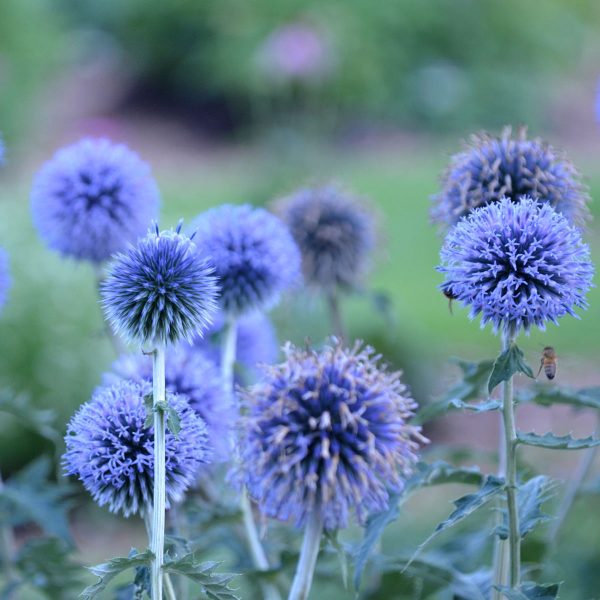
517, 264
327, 432
93, 198
334, 233
254, 256
193, 376
111, 451
4, 277
160, 290
491, 168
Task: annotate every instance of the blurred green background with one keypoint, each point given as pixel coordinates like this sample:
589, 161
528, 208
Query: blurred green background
236, 101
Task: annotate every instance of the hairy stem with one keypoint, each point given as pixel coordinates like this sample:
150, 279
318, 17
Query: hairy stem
157, 542
257, 552
335, 314
7, 551
308, 558
510, 478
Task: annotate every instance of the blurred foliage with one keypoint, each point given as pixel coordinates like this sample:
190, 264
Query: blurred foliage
442, 64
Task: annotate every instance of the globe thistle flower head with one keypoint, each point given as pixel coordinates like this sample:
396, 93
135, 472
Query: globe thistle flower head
192, 376
511, 166
517, 264
256, 341
254, 256
93, 198
160, 290
327, 432
111, 451
4, 277
334, 232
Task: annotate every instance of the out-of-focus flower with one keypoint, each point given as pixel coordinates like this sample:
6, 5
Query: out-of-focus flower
193, 376
327, 432
334, 232
111, 451
4, 277
160, 290
491, 168
254, 256
93, 198
517, 264
2, 151
296, 51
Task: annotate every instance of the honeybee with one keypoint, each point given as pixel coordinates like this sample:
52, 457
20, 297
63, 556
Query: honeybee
548, 362
450, 297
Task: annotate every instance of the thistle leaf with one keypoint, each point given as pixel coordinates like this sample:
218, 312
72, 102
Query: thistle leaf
509, 362
556, 442
546, 395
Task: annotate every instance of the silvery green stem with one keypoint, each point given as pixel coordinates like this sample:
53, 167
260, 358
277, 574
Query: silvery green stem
157, 542
259, 557
335, 314
7, 549
308, 558
501, 556
510, 476
573, 486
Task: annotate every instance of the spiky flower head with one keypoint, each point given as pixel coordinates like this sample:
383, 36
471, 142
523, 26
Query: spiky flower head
256, 341
516, 264
4, 277
335, 234
193, 376
327, 432
160, 290
254, 255
511, 166
93, 198
111, 451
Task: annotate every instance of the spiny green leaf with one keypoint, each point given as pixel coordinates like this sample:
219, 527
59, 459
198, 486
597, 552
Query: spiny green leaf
440, 472
467, 505
213, 585
334, 542
39, 420
547, 395
173, 421
556, 442
106, 572
28, 496
530, 497
509, 362
532, 591
149, 404
472, 386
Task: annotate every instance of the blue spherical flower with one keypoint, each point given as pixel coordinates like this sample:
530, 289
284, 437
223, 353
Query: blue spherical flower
193, 376
160, 290
256, 341
4, 277
518, 264
327, 432
93, 198
491, 168
111, 451
253, 253
334, 232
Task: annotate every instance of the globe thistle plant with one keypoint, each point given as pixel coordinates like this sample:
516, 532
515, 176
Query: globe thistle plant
4, 277
254, 256
327, 434
160, 290
93, 198
511, 166
517, 264
109, 448
192, 376
334, 232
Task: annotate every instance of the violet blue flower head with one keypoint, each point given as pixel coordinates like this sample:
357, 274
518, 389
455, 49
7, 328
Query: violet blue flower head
93, 198
112, 452
160, 290
516, 264
335, 234
511, 166
4, 277
327, 432
256, 342
254, 256
193, 376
